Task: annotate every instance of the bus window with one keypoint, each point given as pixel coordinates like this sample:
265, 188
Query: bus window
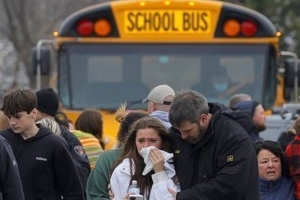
242, 81
179, 71
105, 69
233, 65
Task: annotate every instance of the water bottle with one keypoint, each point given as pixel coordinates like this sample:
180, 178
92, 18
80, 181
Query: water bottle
134, 188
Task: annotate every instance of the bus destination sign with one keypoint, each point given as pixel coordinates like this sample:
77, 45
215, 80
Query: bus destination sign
158, 21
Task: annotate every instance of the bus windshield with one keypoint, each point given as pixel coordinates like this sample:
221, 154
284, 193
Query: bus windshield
106, 75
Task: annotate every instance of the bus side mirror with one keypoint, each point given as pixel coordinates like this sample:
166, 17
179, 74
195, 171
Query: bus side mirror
45, 60
289, 77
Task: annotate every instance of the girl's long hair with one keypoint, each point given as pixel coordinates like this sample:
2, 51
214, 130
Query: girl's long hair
130, 151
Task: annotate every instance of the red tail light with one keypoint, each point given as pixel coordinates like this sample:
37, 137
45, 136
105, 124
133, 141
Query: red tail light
85, 27
248, 28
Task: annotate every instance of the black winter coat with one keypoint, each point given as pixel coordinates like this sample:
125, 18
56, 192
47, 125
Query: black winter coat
223, 164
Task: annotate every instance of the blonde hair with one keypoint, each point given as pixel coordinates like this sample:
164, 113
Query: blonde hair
52, 125
121, 113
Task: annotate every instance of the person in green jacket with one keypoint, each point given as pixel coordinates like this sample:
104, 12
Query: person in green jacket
98, 181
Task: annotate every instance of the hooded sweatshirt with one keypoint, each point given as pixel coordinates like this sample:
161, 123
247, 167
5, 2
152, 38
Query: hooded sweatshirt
46, 168
249, 106
163, 117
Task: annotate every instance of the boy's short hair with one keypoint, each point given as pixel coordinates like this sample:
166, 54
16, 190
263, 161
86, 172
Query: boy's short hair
20, 100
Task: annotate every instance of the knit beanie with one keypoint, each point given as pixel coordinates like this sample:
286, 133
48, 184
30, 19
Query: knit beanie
47, 101
248, 106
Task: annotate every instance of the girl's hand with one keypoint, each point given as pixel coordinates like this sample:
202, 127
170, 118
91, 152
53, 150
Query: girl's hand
110, 193
173, 193
126, 197
157, 160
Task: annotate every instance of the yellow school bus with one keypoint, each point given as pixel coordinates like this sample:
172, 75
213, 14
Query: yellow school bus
117, 51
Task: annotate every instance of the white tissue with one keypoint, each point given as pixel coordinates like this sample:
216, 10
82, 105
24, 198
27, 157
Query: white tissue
145, 154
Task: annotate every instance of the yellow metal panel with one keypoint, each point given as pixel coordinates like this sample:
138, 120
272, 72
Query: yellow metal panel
178, 20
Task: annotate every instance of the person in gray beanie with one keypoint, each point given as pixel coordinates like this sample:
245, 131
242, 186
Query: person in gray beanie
258, 116
47, 106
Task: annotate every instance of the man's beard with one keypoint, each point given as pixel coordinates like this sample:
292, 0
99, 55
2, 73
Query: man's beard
201, 133
261, 127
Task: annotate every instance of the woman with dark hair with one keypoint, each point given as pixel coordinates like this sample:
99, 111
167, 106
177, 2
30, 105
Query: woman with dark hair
274, 178
90, 121
145, 134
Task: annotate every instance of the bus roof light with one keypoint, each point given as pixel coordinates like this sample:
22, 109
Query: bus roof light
231, 28
142, 3
102, 27
191, 3
167, 3
249, 28
55, 34
278, 34
84, 27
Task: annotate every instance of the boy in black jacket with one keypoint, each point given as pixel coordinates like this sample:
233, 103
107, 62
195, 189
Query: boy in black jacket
46, 168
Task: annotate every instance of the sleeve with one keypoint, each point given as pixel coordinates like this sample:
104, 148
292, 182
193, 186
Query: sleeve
66, 173
161, 184
79, 156
119, 183
235, 168
10, 181
98, 180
